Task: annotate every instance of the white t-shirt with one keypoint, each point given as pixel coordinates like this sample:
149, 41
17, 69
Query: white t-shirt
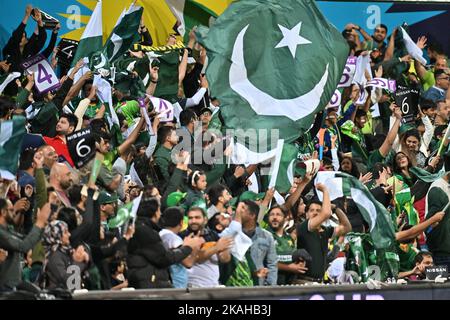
178, 272
204, 275
170, 239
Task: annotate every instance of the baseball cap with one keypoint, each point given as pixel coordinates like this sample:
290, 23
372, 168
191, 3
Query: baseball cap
205, 109
175, 198
200, 203
106, 197
250, 195
25, 179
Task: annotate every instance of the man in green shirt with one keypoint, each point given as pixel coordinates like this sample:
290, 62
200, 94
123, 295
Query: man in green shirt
284, 246
427, 76
106, 178
437, 200
167, 138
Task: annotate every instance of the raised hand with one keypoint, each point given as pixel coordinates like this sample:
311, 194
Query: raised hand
203, 81
239, 171
269, 194
406, 58
80, 255
435, 161
5, 66
56, 28
92, 93
130, 232
192, 36
79, 65
321, 187
422, 42
30, 78
42, 215
365, 178
88, 75
379, 72
297, 268
28, 10
154, 73
37, 16
224, 243
22, 205
193, 242
307, 177
38, 159
398, 113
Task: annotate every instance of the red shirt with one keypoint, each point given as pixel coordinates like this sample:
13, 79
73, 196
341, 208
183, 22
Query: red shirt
60, 147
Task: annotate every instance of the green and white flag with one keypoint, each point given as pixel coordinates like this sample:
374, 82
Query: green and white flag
11, 136
357, 258
177, 8
283, 159
125, 213
168, 62
124, 34
190, 14
273, 64
104, 93
412, 47
285, 176
404, 201
340, 184
92, 38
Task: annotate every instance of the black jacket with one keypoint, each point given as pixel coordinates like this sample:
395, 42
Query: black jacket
12, 49
148, 260
62, 271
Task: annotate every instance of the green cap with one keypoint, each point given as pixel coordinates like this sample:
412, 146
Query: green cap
404, 128
199, 203
175, 198
106, 197
250, 195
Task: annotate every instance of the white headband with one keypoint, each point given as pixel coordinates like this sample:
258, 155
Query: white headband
193, 176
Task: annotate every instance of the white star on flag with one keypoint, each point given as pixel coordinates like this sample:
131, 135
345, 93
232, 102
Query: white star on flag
292, 38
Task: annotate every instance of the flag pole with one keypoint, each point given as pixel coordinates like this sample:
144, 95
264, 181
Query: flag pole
393, 195
446, 207
446, 136
321, 142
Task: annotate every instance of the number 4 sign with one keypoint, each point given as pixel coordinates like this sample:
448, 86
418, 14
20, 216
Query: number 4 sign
164, 108
44, 77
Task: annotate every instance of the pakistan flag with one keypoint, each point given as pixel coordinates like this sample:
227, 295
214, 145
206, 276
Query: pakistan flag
273, 64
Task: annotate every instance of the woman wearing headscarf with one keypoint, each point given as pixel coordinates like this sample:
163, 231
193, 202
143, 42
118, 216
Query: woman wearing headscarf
64, 264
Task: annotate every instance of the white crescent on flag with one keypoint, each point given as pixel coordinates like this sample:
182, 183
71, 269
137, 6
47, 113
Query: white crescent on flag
263, 103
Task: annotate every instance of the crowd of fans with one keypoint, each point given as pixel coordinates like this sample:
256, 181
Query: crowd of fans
198, 225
